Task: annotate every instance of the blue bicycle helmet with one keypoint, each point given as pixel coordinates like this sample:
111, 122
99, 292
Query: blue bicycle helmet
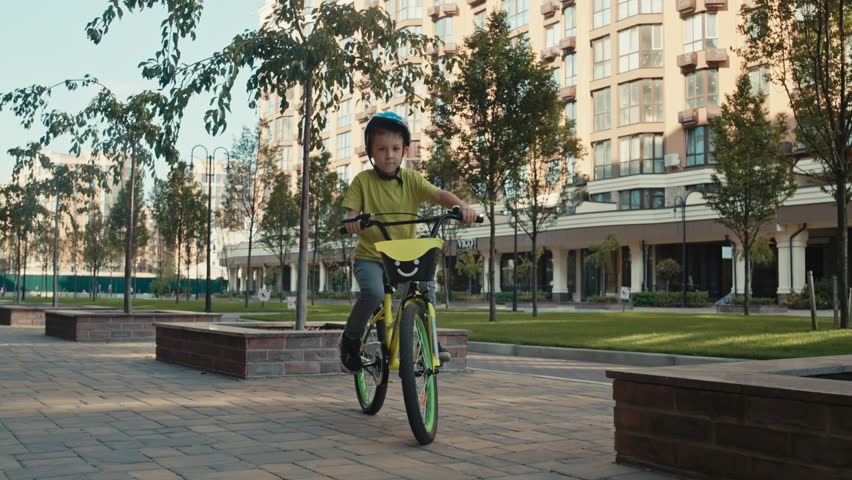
391, 122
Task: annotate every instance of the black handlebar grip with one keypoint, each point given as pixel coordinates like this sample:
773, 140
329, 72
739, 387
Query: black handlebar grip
342, 230
479, 219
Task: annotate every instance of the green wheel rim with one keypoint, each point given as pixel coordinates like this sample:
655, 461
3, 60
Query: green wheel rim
426, 357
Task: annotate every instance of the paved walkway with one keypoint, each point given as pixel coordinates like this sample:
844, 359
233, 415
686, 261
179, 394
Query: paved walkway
111, 411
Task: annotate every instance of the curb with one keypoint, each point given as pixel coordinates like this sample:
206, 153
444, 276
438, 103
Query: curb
636, 359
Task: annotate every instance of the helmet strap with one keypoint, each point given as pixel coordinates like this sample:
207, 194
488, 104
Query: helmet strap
385, 176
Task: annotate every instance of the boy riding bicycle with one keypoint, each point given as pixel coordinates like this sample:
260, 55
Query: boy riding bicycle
386, 188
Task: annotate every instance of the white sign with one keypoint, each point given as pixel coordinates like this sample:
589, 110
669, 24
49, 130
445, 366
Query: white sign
263, 295
466, 243
727, 253
291, 302
625, 293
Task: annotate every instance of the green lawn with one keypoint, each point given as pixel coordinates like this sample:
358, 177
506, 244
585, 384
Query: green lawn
219, 306
758, 336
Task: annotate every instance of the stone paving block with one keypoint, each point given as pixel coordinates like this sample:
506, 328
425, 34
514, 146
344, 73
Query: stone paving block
160, 474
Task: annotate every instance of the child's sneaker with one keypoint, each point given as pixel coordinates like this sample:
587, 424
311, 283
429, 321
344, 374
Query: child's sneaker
443, 354
350, 355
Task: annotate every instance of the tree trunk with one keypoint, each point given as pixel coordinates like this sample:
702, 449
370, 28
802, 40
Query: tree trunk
177, 267
26, 257
128, 242
18, 269
843, 253
534, 284
248, 267
747, 284
492, 252
301, 292
56, 254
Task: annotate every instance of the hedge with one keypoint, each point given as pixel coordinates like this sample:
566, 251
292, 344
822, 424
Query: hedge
602, 299
669, 299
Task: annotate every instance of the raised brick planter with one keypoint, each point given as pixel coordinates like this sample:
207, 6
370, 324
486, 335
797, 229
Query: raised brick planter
264, 349
33, 314
752, 308
114, 325
778, 419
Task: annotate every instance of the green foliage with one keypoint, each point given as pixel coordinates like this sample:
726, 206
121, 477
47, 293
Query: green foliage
823, 292
600, 254
278, 227
603, 299
669, 299
118, 216
668, 270
740, 300
506, 297
469, 264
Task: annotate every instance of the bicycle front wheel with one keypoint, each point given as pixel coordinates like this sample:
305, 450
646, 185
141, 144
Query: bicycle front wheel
371, 383
419, 384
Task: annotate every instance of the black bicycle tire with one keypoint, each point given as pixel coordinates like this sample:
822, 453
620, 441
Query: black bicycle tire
373, 404
413, 324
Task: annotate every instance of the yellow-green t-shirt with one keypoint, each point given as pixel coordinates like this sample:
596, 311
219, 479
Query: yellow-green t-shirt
370, 194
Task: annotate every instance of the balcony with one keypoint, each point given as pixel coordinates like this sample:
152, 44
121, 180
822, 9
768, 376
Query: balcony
451, 49
716, 55
434, 12
361, 151
687, 60
365, 114
716, 4
549, 54
549, 7
641, 167
602, 172
688, 117
473, 3
449, 9
685, 7
713, 111
567, 94
568, 44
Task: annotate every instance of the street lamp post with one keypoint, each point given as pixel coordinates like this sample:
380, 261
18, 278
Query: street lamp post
681, 202
208, 304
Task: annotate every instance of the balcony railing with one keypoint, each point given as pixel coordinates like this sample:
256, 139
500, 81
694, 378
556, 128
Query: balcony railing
716, 55
550, 53
566, 94
449, 9
451, 48
715, 4
687, 60
685, 7
568, 44
474, 3
642, 167
688, 117
602, 172
549, 7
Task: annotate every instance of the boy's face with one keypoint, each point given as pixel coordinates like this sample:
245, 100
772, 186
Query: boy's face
387, 151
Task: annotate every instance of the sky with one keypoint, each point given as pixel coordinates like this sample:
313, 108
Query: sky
44, 42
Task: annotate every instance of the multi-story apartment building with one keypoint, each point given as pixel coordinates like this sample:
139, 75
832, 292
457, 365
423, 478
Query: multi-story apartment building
640, 79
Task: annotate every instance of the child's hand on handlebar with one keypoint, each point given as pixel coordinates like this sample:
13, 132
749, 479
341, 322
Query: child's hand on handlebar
468, 215
352, 227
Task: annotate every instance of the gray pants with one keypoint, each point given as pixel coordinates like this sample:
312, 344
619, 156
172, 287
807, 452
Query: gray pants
370, 278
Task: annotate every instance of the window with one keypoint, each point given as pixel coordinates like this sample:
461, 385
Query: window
640, 47
479, 19
629, 8
601, 15
556, 76
602, 109
403, 49
570, 69
517, 13
603, 160
411, 116
554, 172
279, 129
700, 32
444, 29
699, 147
343, 176
286, 157
641, 154
641, 198
410, 9
289, 132
759, 78
271, 104
344, 114
702, 88
570, 21
640, 101
602, 56
602, 197
571, 113
344, 145
551, 35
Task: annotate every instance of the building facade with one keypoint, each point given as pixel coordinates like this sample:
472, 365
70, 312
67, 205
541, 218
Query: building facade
640, 79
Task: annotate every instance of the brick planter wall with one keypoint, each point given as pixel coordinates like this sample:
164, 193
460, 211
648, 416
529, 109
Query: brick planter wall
87, 326
737, 420
752, 309
26, 315
262, 349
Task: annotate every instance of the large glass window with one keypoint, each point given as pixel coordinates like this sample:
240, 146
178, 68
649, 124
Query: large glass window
602, 54
699, 32
640, 47
410, 9
640, 101
343, 175
289, 131
628, 8
641, 198
271, 104
411, 116
759, 78
601, 13
551, 35
444, 29
344, 114
403, 50
570, 19
570, 69
603, 159
699, 147
602, 103
556, 76
517, 13
702, 88
344, 145
286, 157
571, 113
641, 154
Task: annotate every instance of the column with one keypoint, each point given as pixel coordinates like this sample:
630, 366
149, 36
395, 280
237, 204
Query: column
739, 269
578, 276
560, 275
323, 271
294, 276
637, 268
782, 241
242, 276
262, 282
798, 245
279, 283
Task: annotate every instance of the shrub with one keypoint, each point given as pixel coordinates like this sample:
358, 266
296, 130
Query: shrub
159, 287
669, 299
822, 292
506, 297
603, 299
740, 300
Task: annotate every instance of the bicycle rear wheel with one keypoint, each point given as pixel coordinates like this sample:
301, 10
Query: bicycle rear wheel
371, 383
419, 384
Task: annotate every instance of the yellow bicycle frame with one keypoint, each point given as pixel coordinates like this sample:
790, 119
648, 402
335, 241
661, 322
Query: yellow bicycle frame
391, 329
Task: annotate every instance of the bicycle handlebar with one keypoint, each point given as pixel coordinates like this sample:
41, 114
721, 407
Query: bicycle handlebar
366, 220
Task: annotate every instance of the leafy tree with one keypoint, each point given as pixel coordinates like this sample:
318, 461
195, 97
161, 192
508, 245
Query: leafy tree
278, 226
488, 112
97, 251
469, 264
20, 210
321, 50
668, 270
324, 220
808, 46
117, 232
600, 257
344, 243
246, 192
752, 179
